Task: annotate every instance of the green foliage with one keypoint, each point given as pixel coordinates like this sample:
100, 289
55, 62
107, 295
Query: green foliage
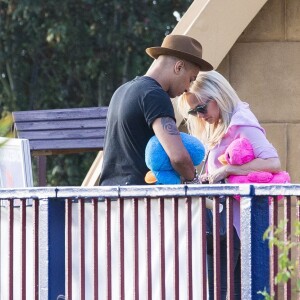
75, 53
285, 265
6, 126
287, 268
66, 171
265, 294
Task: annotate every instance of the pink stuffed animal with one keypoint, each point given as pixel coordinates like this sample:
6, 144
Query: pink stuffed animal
240, 152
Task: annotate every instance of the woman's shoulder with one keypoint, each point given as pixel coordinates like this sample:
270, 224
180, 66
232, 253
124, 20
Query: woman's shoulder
241, 119
243, 116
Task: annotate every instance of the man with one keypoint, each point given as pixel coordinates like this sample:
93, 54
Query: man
142, 107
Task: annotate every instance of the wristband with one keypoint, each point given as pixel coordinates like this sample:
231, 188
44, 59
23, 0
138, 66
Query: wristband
195, 180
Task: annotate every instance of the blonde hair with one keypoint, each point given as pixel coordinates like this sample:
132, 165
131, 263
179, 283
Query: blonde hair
210, 85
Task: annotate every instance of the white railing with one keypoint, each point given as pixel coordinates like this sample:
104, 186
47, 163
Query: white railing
128, 242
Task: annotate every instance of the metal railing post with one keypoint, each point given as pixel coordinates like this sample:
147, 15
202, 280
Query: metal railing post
255, 265
52, 249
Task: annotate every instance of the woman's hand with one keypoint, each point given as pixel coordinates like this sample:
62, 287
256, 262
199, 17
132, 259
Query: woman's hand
218, 175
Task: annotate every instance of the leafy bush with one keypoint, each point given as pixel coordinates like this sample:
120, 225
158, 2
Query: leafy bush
75, 53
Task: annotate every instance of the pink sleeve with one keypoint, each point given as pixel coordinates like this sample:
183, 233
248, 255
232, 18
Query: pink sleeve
261, 146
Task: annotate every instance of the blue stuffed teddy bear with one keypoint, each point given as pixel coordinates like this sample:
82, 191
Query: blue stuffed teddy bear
159, 163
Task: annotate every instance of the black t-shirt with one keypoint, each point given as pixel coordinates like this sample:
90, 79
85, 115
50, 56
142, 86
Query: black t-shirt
132, 110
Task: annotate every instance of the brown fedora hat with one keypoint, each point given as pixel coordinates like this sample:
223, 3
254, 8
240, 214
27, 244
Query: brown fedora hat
183, 47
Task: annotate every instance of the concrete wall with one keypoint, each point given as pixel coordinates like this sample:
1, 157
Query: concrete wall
264, 68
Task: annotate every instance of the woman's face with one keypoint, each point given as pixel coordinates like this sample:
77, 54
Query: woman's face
208, 110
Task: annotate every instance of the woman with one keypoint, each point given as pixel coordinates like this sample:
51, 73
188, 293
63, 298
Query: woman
215, 114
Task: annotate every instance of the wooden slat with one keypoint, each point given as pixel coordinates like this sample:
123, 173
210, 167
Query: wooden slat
60, 151
60, 114
58, 124
67, 144
62, 134
62, 130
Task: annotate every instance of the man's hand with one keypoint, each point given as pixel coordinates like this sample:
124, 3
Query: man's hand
195, 180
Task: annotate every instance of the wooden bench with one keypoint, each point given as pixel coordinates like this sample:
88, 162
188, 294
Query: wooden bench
62, 131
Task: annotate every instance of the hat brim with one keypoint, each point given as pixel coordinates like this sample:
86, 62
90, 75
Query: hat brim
155, 52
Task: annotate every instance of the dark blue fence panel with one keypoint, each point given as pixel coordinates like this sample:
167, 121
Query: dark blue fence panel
254, 250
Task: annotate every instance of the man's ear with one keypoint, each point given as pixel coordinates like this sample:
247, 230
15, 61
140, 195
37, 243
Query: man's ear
179, 66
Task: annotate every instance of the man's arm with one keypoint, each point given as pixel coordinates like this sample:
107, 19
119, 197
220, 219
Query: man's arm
168, 134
